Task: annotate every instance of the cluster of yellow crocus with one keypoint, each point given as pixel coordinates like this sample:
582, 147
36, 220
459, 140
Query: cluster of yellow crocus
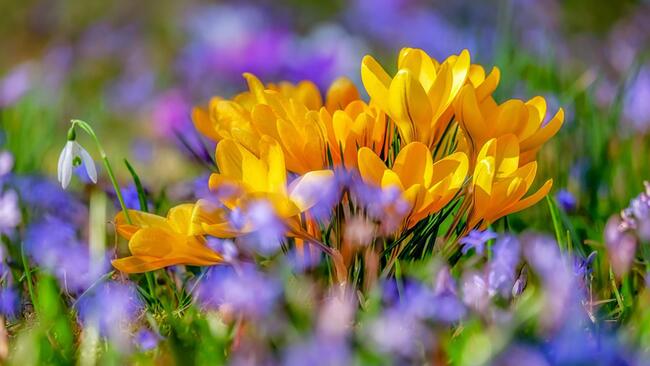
280, 143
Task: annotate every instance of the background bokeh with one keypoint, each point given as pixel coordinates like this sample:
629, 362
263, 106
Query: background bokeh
135, 69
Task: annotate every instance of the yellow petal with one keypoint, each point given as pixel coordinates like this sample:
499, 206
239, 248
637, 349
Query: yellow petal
371, 167
256, 87
203, 124
419, 64
390, 179
376, 81
545, 133
409, 106
341, 93
139, 220
507, 155
308, 94
180, 217
414, 165
154, 242
489, 85
530, 200
271, 153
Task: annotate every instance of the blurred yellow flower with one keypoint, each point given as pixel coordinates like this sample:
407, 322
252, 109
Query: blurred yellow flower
425, 186
499, 184
156, 242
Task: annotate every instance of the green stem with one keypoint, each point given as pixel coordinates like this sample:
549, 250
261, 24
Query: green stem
28, 274
89, 130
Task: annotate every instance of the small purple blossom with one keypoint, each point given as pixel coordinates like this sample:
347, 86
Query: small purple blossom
476, 239
567, 200
147, 339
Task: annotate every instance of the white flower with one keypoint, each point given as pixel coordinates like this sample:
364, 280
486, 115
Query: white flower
71, 152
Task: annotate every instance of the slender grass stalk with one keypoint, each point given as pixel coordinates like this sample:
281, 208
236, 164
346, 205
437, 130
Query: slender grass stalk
28, 274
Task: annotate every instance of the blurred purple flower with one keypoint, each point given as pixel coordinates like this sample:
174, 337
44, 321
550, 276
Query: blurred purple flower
9, 302
6, 163
111, 307
636, 109
621, 246
318, 352
147, 340
567, 200
409, 23
10, 215
53, 244
396, 333
502, 268
225, 247
131, 198
544, 257
16, 83
44, 198
269, 229
245, 290
517, 355
475, 291
476, 239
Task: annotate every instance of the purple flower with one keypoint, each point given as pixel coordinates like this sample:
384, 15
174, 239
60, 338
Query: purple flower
44, 198
10, 215
269, 230
396, 333
147, 340
621, 246
53, 244
9, 302
475, 291
566, 200
318, 352
6, 163
244, 290
476, 239
15, 84
636, 108
111, 307
502, 268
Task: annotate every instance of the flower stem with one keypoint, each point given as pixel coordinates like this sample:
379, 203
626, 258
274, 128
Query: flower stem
28, 274
89, 130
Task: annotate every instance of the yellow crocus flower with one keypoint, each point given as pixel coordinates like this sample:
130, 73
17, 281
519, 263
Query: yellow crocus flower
418, 98
289, 113
425, 186
156, 242
244, 178
358, 125
482, 119
499, 184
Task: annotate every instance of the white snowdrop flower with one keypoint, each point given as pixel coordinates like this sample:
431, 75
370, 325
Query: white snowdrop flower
72, 155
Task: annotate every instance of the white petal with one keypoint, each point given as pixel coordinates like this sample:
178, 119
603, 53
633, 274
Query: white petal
89, 163
61, 159
66, 168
